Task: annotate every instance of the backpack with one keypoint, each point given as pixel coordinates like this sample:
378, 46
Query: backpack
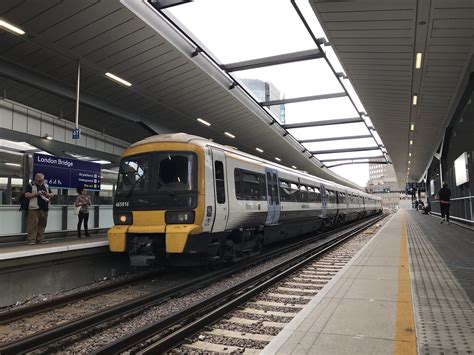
24, 202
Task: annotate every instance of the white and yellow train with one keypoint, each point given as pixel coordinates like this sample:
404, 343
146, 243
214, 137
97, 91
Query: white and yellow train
185, 200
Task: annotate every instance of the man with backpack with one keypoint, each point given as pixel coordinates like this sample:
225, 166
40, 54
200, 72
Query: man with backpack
39, 194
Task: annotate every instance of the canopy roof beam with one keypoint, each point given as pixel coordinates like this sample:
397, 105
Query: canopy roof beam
303, 98
323, 123
334, 138
274, 60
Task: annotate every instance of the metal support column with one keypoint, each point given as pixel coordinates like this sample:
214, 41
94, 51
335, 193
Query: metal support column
26, 181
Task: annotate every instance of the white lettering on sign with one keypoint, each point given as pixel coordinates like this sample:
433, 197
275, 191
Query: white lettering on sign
122, 204
54, 161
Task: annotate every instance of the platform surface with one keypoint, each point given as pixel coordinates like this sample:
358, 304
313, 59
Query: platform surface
396, 296
22, 250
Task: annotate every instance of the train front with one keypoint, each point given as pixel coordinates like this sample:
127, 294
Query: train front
158, 202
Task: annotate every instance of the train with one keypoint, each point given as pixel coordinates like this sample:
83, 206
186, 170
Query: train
184, 200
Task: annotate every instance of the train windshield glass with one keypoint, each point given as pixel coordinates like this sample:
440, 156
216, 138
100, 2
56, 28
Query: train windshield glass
158, 180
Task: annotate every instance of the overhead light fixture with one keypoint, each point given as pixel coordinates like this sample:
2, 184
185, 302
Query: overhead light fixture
259, 150
11, 28
229, 134
13, 164
409, 162
415, 100
409, 154
277, 159
48, 137
294, 167
203, 122
117, 79
412, 127
411, 142
419, 55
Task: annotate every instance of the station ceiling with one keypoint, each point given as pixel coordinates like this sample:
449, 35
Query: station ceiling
172, 87
377, 42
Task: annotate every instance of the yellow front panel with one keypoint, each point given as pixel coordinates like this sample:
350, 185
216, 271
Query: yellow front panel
149, 218
117, 240
177, 235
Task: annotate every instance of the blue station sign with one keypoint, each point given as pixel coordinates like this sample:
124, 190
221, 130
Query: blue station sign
66, 173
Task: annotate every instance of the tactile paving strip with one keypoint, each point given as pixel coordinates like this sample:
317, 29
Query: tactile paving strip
444, 314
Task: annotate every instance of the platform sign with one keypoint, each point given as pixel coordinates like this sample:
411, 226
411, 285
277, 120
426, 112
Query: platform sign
76, 133
66, 173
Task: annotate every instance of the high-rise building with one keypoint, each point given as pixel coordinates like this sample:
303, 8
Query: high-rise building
266, 91
383, 183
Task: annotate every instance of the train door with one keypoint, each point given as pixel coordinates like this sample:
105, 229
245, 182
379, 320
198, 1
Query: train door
273, 197
220, 191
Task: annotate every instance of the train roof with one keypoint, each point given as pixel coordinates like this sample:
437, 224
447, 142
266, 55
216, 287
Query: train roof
203, 142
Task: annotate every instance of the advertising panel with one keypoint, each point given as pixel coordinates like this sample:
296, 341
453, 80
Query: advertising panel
66, 173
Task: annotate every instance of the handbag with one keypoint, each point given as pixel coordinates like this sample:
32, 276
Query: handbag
76, 210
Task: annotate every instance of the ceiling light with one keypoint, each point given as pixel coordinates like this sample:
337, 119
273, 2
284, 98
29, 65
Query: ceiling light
117, 79
409, 154
48, 137
203, 122
412, 127
229, 134
11, 28
415, 99
411, 142
294, 167
13, 164
259, 150
418, 60
277, 159
409, 162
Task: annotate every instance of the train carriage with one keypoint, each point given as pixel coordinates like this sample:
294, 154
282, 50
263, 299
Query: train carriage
184, 200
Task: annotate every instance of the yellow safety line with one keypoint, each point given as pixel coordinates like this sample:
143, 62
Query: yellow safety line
405, 338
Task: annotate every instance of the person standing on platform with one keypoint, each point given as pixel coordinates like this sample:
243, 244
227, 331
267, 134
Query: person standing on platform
444, 196
84, 201
39, 195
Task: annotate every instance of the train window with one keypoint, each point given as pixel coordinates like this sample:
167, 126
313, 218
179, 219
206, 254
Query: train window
134, 175
311, 194
253, 186
220, 182
304, 193
295, 196
238, 184
318, 194
285, 191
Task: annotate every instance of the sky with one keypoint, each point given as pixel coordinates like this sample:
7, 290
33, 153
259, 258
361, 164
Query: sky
238, 30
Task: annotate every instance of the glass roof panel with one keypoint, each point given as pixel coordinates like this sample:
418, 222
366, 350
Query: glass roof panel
349, 129
319, 110
341, 144
312, 77
245, 29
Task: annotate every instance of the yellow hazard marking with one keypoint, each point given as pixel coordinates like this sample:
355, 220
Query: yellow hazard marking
405, 337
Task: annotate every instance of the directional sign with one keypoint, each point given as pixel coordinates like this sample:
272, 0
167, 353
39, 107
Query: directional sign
66, 173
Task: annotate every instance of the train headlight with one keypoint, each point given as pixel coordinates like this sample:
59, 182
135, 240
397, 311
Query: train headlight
123, 218
179, 217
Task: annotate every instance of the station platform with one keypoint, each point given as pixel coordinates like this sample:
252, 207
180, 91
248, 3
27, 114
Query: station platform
57, 247
408, 291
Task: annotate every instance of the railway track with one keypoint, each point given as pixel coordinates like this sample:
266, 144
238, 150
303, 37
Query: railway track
168, 333
133, 307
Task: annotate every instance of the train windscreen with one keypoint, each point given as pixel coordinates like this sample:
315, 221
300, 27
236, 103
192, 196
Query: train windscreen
158, 180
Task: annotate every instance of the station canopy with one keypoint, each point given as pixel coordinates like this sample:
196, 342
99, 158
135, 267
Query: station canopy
269, 83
